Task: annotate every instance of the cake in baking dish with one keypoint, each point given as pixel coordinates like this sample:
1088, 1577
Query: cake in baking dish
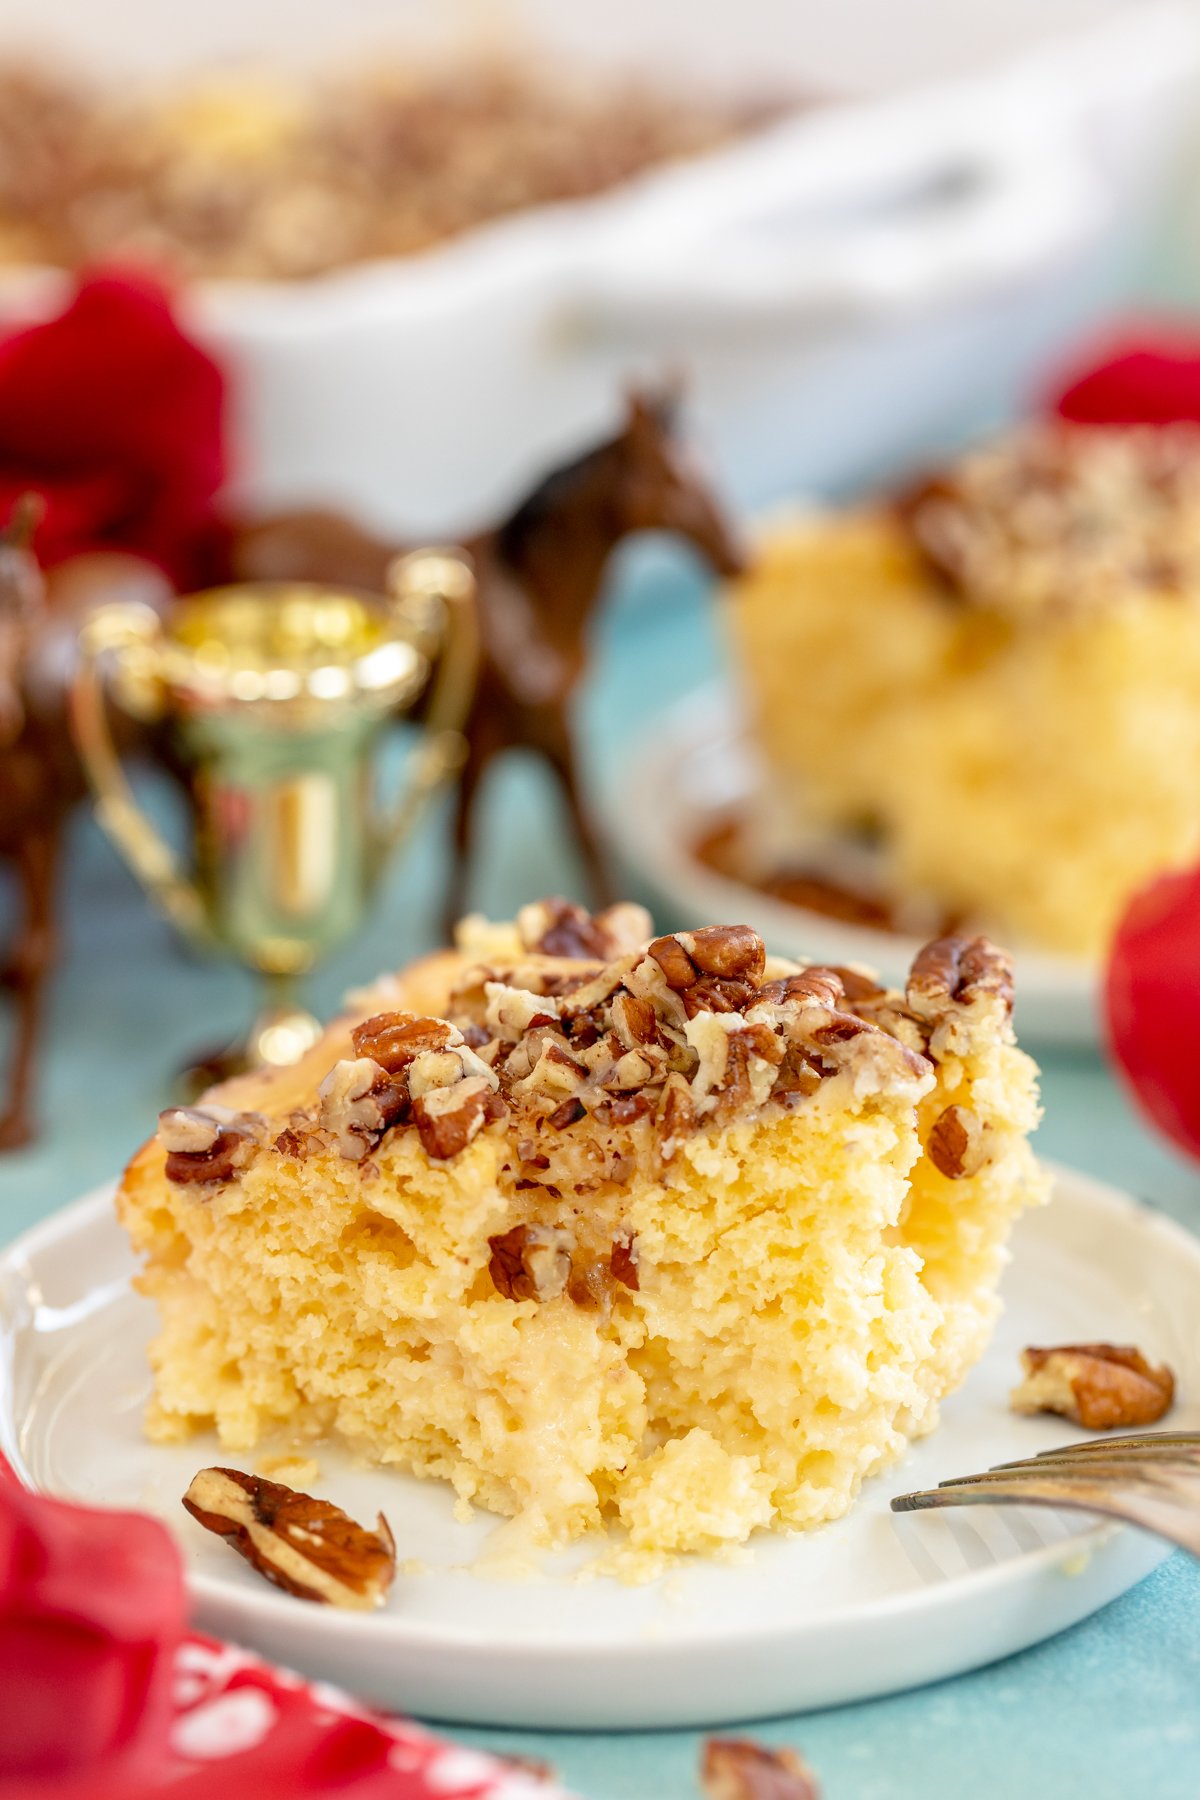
667, 1234
996, 681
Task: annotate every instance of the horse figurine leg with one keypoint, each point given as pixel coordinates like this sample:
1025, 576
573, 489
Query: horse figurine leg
556, 746
32, 958
482, 747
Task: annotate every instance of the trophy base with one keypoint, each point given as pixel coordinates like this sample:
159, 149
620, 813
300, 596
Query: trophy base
279, 1035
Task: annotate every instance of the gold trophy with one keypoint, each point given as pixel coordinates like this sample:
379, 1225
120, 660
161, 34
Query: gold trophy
274, 697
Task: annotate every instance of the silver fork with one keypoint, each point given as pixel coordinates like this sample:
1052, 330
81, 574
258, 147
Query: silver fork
1151, 1479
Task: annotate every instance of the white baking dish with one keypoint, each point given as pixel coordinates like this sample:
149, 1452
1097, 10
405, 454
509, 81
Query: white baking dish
837, 289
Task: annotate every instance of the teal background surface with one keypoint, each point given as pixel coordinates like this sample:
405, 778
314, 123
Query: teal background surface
1110, 1710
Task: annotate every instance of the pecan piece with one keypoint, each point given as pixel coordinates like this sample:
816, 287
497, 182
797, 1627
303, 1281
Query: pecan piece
569, 1113
719, 994
1099, 1386
308, 1547
677, 1115
358, 1101
623, 1109
393, 1039
557, 927
590, 1288
679, 971
634, 1020
739, 1769
824, 986
530, 1262
856, 984
447, 1119
208, 1144
732, 952
958, 986
957, 1143
623, 1260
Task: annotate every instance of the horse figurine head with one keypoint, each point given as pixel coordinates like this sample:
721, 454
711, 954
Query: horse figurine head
660, 486
556, 544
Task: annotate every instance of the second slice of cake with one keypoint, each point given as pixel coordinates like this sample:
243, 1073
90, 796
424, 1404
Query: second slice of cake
666, 1233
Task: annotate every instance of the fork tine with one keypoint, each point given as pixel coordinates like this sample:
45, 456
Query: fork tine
1154, 1473
1152, 1442
1126, 1452
1139, 1499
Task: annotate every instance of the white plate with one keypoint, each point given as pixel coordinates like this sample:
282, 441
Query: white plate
871, 1604
695, 767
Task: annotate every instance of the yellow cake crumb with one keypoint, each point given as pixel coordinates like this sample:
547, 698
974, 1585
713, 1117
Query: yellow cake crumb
693, 1494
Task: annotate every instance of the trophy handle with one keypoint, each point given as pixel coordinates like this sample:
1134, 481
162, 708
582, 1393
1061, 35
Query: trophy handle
433, 592
130, 630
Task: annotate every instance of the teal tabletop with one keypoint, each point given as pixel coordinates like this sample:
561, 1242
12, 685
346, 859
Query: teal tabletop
1109, 1709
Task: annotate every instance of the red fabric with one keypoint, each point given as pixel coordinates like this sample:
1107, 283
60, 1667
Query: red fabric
115, 418
1148, 377
105, 1696
1152, 997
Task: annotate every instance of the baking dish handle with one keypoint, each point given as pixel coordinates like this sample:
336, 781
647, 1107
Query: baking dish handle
979, 221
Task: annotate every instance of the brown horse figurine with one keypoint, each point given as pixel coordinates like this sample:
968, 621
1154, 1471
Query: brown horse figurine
540, 575
40, 776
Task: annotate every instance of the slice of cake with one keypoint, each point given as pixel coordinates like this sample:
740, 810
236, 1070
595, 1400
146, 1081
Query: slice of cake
598, 1229
996, 680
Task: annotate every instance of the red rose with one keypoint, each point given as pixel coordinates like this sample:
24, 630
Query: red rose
115, 418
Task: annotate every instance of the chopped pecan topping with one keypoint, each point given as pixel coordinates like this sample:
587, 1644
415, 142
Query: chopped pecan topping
511, 1011
957, 1144
530, 1262
308, 1547
856, 984
393, 1039
960, 969
958, 984
806, 1009
821, 985
358, 1101
634, 1020
739, 1769
714, 993
208, 1144
558, 927
1099, 1386
623, 1260
678, 969
302, 1136
447, 1119
677, 1115
693, 1029
590, 1286
1054, 518
733, 952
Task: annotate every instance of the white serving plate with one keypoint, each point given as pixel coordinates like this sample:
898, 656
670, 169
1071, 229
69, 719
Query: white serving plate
871, 1604
696, 765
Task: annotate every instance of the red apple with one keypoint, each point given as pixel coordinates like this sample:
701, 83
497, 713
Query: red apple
1152, 1001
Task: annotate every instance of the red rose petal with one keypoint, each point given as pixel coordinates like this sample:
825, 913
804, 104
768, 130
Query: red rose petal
1151, 378
114, 416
